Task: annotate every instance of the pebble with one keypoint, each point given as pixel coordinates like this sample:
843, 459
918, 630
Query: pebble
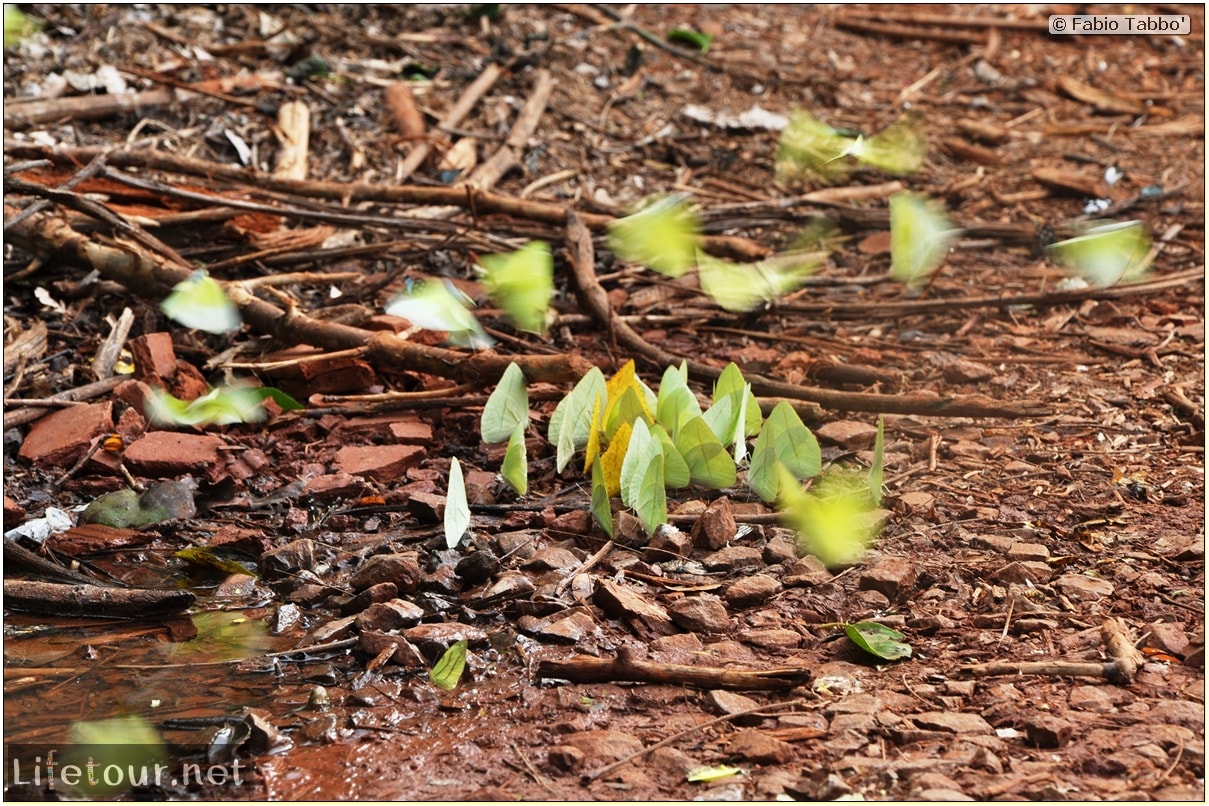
702, 613
758, 747
774, 638
750, 591
733, 558
403, 570
1083, 588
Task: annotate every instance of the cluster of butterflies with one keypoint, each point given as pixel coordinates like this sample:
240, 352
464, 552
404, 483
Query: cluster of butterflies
666, 236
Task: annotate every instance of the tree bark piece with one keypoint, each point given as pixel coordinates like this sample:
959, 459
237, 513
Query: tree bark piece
55, 599
621, 669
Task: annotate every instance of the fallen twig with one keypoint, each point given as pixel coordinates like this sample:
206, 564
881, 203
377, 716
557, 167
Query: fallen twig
1126, 660
629, 670
78, 599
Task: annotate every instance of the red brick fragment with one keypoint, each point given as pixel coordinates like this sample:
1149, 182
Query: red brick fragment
154, 356
378, 462
61, 438
167, 453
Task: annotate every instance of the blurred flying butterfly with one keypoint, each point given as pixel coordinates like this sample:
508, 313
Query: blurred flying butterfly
1107, 253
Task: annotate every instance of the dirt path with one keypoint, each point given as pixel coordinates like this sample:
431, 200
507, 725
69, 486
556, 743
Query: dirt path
1063, 534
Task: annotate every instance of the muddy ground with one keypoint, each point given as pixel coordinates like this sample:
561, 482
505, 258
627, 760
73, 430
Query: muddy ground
1064, 503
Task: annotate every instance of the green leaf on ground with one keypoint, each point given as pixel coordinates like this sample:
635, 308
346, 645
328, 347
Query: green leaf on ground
878, 639
920, 235
515, 468
448, 671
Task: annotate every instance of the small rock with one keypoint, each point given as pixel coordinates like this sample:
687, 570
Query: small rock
411, 430
776, 638
382, 592
1025, 552
733, 558
716, 527
379, 462
288, 560
851, 434
391, 615
623, 602
237, 585
574, 629
333, 486
728, 702
959, 370
604, 745
1178, 712
168, 453
433, 639
576, 522
62, 438
758, 747
284, 617
1082, 588
994, 542
1091, 698
477, 566
1169, 637
952, 722
917, 502
1022, 573
668, 543
894, 577
402, 570
780, 550
1049, 732
701, 613
513, 544
936, 795
373, 643
750, 591
551, 558
565, 758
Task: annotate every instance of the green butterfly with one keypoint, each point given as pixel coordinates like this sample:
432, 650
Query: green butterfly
522, 283
744, 287
443, 307
1107, 253
662, 236
920, 235
200, 302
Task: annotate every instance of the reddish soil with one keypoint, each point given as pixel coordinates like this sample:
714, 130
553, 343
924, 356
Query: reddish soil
1030, 538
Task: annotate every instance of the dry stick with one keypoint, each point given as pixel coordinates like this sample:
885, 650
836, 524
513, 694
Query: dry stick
482, 202
111, 349
78, 599
460, 110
592, 776
623, 669
79, 394
87, 107
951, 21
908, 32
1126, 660
594, 298
136, 268
490, 172
910, 307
